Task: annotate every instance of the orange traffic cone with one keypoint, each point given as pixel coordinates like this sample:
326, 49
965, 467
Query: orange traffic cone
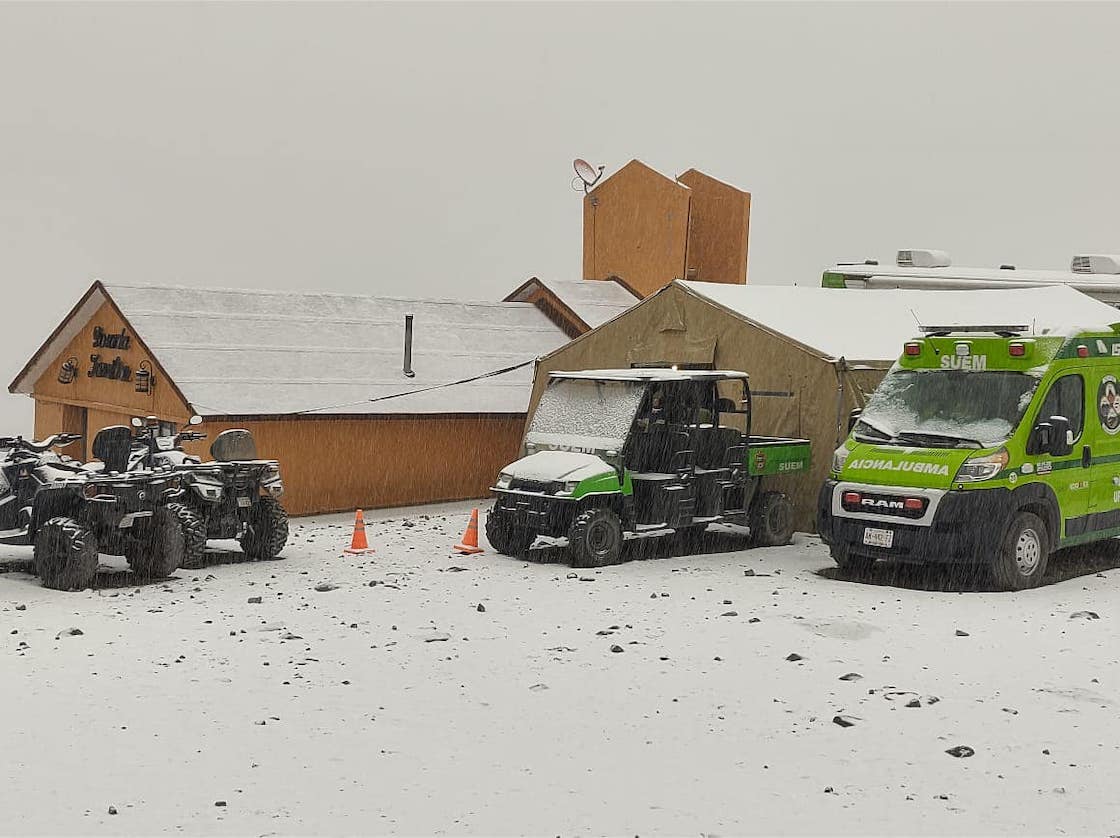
358, 543
469, 545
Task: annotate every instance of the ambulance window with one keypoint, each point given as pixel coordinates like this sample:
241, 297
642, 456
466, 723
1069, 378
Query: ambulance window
1066, 398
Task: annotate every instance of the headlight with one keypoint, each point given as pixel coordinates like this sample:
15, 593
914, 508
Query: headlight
270, 473
839, 457
568, 487
982, 468
504, 480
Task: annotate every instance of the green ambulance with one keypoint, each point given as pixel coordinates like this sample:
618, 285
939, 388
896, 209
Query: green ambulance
987, 445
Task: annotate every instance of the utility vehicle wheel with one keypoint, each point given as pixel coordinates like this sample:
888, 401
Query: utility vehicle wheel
595, 538
506, 538
1022, 557
851, 564
65, 554
771, 520
268, 530
165, 549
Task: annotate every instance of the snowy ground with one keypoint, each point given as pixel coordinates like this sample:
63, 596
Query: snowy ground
393, 703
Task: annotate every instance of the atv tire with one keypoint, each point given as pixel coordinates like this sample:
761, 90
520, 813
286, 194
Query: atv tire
193, 525
65, 554
268, 530
1023, 554
771, 520
595, 538
168, 546
507, 539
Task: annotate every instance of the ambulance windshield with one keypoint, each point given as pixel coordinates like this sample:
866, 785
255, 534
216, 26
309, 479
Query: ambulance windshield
946, 409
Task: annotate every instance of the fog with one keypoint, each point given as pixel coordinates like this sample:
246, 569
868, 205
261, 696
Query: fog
426, 149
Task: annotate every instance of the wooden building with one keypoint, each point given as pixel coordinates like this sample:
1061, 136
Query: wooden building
648, 230
575, 305
318, 378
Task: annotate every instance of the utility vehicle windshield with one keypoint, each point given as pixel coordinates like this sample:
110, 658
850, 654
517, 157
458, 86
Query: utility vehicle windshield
582, 415
946, 408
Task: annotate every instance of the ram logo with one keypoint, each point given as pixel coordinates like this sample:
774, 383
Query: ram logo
882, 503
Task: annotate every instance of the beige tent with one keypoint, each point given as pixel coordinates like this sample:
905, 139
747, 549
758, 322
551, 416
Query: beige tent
813, 354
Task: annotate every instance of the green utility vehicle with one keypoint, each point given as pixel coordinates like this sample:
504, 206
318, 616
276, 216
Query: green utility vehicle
985, 445
615, 451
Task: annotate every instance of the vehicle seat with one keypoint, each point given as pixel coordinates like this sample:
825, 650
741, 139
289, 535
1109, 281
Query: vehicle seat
712, 446
652, 451
112, 446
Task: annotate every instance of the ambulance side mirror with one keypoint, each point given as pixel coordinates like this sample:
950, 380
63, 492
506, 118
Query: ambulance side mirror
1060, 442
853, 417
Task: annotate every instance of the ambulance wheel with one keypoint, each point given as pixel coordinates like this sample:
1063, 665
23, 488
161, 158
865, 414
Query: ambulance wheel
1022, 557
65, 555
851, 564
506, 538
166, 548
771, 520
267, 532
595, 538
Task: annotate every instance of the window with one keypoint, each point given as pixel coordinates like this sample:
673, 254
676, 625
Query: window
1066, 398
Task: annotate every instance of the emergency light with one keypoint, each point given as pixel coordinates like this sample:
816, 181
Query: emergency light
912, 349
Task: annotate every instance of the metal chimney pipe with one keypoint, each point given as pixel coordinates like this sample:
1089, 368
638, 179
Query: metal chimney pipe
408, 346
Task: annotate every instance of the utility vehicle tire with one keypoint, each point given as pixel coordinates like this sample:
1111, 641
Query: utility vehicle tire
851, 564
595, 538
65, 554
771, 520
1021, 560
268, 530
507, 539
166, 547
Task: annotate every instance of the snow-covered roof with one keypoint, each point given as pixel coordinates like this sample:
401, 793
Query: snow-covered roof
652, 374
593, 301
247, 352
866, 326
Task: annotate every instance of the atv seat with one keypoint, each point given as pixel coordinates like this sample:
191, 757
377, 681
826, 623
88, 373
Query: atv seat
112, 446
233, 445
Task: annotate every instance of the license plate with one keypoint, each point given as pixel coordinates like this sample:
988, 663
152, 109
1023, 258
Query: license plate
873, 537
244, 503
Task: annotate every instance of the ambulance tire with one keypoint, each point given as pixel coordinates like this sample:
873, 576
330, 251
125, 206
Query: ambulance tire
65, 555
595, 538
507, 539
1020, 562
851, 564
771, 520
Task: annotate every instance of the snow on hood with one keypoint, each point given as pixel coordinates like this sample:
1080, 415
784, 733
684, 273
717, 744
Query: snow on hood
558, 465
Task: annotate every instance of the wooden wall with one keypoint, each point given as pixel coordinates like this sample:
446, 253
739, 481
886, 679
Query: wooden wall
718, 230
635, 226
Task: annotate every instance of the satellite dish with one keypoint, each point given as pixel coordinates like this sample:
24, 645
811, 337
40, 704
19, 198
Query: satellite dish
587, 173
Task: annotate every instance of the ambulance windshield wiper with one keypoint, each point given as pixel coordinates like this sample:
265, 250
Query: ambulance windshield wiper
885, 433
938, 440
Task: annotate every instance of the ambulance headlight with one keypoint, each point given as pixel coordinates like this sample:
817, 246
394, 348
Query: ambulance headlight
984, 467
504, 480
839, 457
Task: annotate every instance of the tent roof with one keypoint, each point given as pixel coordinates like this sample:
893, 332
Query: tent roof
652, 374
246, 352
872, 326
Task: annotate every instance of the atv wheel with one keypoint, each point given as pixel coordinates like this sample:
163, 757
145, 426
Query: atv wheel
771, 520
193, 525
268, 530
1022, 557
595, 538
507, 539
171, 539
65, 554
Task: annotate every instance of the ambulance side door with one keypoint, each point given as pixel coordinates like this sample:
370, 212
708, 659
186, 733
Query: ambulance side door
1069, 476
1102, 427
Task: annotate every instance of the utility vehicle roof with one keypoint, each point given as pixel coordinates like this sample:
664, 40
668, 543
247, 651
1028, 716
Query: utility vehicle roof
652, 374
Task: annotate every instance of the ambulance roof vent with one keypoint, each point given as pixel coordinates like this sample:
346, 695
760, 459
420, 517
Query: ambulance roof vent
1095, 264
923, 259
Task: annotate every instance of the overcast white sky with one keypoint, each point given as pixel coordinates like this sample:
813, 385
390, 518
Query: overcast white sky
426, 149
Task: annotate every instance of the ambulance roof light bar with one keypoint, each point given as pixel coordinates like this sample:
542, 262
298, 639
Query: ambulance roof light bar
923, 259
1002, 331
